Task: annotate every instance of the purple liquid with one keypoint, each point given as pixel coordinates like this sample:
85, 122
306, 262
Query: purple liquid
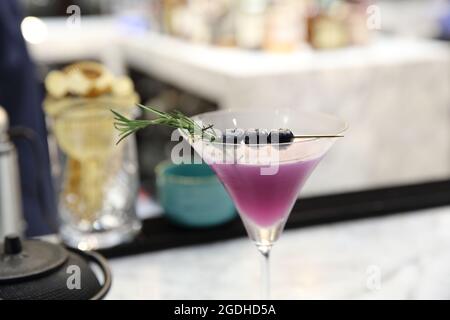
264, 199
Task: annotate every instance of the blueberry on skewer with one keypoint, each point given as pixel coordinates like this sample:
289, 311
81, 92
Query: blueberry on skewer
256, 136
233, 136
262, 136
280, 136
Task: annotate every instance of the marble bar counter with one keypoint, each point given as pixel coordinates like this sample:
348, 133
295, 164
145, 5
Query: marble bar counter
405, 256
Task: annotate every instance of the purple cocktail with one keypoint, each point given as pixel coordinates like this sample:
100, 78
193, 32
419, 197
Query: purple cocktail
264, 200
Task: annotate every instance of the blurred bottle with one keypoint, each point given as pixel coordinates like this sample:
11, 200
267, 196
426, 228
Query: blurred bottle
250, 23
11, 220
169, 7
221, 20
333, 24
284, 27
357, 21
326, 26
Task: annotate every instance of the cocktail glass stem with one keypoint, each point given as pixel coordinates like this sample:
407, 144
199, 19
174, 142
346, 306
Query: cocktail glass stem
265, 271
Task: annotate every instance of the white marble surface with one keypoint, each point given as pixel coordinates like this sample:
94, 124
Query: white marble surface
403, 256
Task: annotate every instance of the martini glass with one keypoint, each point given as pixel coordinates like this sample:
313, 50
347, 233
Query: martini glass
263, 179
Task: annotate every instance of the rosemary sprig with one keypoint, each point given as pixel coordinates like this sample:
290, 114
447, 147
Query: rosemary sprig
174, 119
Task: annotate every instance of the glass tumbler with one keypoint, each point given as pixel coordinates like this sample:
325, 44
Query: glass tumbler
98, 180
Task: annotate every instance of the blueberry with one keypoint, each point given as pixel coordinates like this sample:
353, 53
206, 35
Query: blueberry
233, 136
281, 136
256, 136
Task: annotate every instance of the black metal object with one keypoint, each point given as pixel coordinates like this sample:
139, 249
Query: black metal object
22, 260
12, 245
159, 233
39, 270
94, 257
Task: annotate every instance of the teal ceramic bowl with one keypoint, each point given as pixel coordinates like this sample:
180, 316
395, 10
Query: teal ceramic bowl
192, 196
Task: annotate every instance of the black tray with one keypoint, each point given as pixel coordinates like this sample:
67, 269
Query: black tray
159, 233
